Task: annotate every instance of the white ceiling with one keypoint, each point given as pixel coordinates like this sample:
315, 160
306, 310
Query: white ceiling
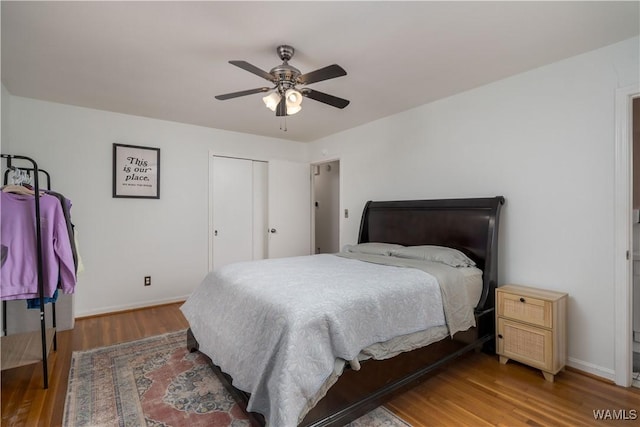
168, 60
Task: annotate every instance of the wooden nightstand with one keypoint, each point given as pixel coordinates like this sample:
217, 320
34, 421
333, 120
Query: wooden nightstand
531, 327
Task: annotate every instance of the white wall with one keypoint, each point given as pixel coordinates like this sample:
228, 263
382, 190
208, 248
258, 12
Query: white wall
123, 240
544, 140
4, 113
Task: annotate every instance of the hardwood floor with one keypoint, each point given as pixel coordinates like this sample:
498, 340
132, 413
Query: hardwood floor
26, 403
475, 390
478, 391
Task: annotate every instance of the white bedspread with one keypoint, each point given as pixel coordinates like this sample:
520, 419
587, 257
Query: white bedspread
278, 326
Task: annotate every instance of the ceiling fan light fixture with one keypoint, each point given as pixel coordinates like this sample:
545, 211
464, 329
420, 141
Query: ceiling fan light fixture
293, 109
272, 100
293, 98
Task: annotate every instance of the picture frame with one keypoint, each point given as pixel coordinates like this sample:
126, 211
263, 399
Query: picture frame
136, 171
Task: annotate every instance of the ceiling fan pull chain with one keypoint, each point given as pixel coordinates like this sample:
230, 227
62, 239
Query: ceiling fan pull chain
283, 120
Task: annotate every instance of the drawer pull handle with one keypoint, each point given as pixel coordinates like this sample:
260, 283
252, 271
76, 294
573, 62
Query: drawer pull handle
522, 300
500, 336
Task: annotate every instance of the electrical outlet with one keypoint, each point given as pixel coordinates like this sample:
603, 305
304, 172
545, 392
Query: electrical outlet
147, 280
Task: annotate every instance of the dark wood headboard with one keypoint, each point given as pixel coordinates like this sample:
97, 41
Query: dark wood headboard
469, 225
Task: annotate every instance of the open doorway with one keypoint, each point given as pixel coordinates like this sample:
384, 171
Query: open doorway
326, 206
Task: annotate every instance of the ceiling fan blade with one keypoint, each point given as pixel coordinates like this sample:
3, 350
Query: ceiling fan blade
334, 101
253, 69
242, 93
281, 109
326, 73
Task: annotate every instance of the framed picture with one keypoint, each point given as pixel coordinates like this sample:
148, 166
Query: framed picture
136, 171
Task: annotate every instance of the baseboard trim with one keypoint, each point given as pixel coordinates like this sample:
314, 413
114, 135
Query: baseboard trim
591, 369
129, 307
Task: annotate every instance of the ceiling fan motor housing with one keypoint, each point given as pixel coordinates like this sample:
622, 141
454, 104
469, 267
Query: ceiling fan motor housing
285, 76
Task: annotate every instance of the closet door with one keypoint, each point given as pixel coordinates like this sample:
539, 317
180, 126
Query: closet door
260, 174
258, 210
289, 209
232, 210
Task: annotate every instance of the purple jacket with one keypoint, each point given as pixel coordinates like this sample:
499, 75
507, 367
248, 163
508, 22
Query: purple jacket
19, 274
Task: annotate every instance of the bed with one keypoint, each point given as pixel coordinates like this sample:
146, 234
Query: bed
285, 363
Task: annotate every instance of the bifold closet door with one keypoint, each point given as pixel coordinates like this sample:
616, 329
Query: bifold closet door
250, 198
260, 206
232, 210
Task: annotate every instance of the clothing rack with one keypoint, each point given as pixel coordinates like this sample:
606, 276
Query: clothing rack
45, 335
4, 303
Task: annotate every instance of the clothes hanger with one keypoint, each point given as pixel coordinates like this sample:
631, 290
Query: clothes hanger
21, 183
19, 189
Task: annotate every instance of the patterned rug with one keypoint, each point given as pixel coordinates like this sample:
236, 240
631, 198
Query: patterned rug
156, 382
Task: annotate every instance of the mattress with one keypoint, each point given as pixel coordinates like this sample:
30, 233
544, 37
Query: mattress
284, 328
472, 282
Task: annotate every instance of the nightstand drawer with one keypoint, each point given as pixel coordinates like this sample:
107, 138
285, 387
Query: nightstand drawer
526, 309
527, 344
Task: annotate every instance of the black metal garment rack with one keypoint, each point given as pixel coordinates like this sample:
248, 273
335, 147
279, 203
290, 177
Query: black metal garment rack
53, 304
39, 258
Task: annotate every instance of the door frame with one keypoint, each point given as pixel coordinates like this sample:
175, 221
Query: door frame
623, 309
313, 197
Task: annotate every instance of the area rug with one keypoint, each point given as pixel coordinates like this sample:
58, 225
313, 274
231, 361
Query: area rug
156, 382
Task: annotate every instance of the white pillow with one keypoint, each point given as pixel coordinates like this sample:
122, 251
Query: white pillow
449, 256
372, 248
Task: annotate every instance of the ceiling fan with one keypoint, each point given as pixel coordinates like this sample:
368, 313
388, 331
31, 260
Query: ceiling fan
285, 98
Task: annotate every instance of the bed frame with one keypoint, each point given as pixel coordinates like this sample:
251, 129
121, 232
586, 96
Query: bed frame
469, 225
